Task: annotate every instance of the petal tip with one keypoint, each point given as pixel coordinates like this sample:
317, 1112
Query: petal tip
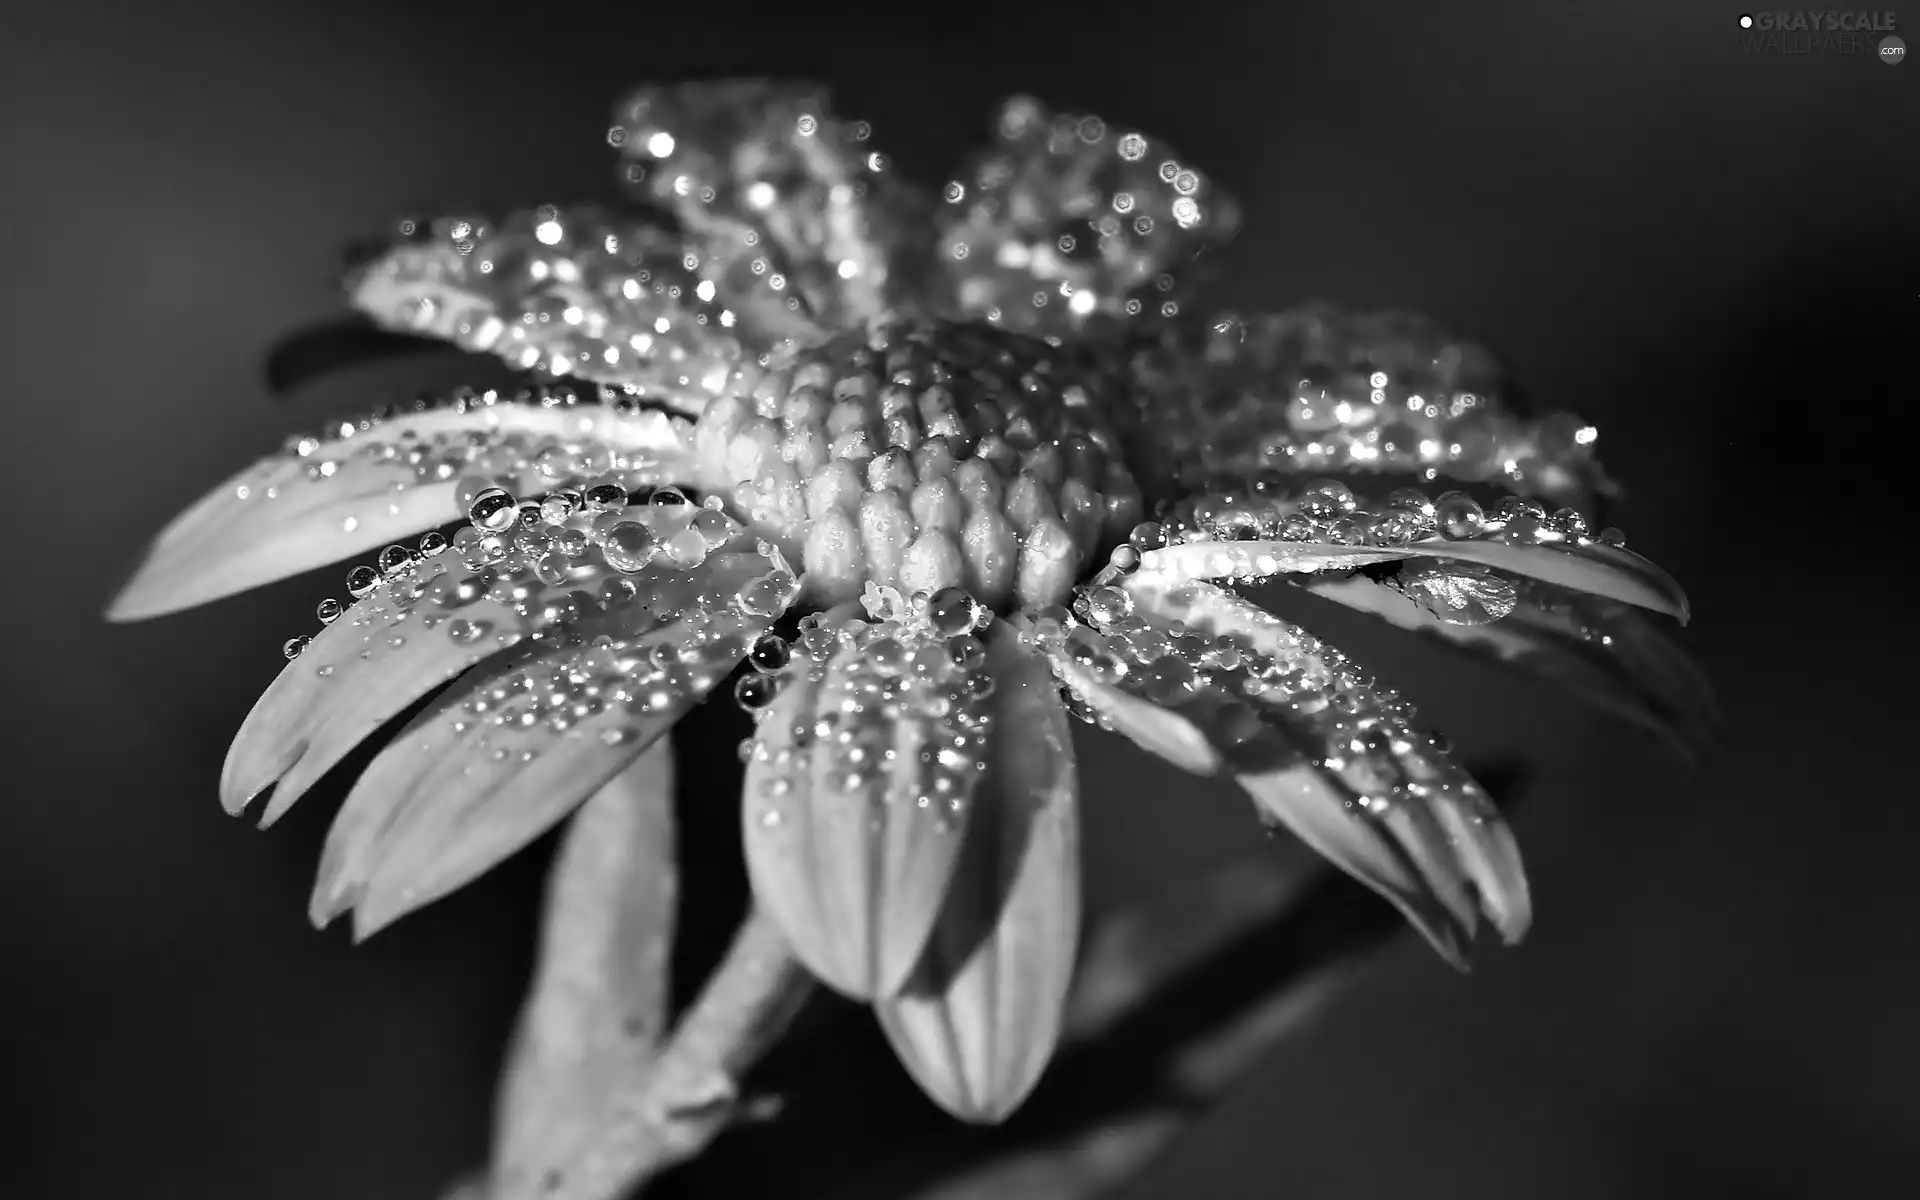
137, 600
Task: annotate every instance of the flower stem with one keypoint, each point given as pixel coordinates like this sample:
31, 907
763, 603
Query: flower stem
691, 1092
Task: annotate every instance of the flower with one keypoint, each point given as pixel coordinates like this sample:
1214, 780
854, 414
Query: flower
942, 474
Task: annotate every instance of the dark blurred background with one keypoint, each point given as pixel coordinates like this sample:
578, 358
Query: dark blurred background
1710, 255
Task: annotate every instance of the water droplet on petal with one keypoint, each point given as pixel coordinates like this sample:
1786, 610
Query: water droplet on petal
769, 653
688, 548
606, 495
494, 510
629, 546
394, 560
952, 611
1458, 515
755, 692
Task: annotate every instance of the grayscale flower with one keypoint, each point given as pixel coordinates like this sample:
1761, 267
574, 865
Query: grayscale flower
943, 472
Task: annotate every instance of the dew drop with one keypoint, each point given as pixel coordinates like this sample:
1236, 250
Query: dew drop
769, 595
769, 653
688, 548
329, 610
1108, 604
1458, 515
293, 646
966, 652
754, 692
394, 560
714, 526
606, 496
361, 581
552, 568
952, 611
1168, 680
887, 656
629, 546
494, 510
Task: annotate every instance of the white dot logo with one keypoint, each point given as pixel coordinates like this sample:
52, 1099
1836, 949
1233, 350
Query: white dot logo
1893, 51
1746, 22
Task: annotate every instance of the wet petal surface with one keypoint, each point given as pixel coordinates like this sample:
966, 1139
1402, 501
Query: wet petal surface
387, 477
1067, 218
979, 1020
1316, 391
511, 750
861, 781
1247, 535
769, 181
1325, 752
583, 292
1609, 655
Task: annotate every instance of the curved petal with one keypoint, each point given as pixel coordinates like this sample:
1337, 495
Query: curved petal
1407, 865
387, 477
1604, 653
1065, 218
1318, 391
860, 785
980, 1019
1303, 730
579, 291
1248, 536
432, 620
1366, 740
497, 761
598, 1007
1165, 734
764, 177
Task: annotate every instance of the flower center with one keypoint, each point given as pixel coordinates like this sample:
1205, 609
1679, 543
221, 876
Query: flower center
926, 455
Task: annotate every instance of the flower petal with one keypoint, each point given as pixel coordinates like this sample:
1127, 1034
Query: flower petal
1406, 864
1154, 729
499, 760
764, 177
578, 291
860, 785
1248, 536
1368, 764
599, 1001
1302, 729
385, 478
1317, 391
1607, 654
431, 621
1065, 217
981, 1017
